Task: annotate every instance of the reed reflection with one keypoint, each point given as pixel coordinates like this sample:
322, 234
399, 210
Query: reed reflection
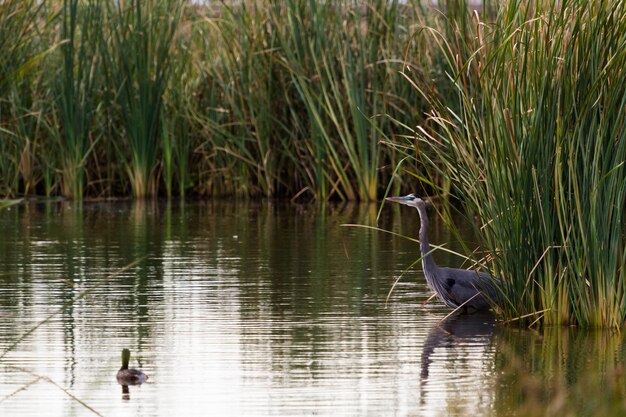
561, 371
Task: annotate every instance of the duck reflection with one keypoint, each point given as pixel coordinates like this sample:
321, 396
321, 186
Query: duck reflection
126, 389
125, 392
458, 337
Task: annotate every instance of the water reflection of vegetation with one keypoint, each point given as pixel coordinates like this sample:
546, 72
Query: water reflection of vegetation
560, 371
240, 240
296, 295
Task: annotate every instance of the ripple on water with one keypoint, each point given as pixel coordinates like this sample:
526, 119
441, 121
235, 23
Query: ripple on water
250, 310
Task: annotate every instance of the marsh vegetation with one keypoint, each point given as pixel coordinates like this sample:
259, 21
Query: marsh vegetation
279, 99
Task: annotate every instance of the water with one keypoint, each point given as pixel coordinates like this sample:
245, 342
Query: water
243, 309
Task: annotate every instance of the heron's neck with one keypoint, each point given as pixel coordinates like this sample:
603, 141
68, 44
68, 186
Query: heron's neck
428, 263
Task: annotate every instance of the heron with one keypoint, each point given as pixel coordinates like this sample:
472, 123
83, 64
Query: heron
126, 376
457, 288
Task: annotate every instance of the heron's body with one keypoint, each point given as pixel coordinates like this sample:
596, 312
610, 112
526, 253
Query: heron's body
463, 287
470, 290
126, 376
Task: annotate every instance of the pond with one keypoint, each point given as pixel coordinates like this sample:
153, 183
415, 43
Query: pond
265, 309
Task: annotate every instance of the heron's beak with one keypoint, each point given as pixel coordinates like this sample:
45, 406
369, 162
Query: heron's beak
401, 200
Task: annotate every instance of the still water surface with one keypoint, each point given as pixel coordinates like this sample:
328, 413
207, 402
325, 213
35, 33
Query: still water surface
242, 309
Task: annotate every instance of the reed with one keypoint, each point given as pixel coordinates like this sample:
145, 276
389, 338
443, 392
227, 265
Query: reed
136, 53
26, 139
9, 157
176, 120
75, 91
237, 94
21, 27
534, 146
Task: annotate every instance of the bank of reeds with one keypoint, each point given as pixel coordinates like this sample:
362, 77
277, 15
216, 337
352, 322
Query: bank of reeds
104, 98
534, 146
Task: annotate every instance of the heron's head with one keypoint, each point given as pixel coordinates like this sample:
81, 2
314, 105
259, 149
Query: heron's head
412, 200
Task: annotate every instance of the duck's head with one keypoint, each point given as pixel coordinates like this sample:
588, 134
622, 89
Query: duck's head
125, 358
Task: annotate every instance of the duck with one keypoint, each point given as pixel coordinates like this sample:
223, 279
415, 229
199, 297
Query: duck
126, 376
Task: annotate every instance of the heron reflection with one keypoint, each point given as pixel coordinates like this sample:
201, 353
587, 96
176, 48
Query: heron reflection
458, 335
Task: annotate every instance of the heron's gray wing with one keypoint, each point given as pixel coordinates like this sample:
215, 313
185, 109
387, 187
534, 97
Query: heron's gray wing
466, 286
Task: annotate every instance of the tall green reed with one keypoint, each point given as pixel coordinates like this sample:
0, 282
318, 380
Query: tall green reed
76, 91
26, 144
176, 146
21, 23
137, 55
22, 28
9, 159
176, 118
237, 97
534, 146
